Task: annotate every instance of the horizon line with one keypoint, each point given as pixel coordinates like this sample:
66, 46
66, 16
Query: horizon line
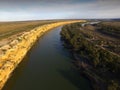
55, 19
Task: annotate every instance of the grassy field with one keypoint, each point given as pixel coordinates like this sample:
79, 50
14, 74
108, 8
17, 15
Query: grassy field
112, 23
110, 28
11, 28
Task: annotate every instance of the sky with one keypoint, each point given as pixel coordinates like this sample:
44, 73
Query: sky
19, 10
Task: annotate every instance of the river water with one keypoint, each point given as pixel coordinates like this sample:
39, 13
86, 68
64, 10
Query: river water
47, 67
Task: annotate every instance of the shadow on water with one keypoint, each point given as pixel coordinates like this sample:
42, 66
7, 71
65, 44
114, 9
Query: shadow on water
16, 74
73, 75
50, 65
76, 79
62, 50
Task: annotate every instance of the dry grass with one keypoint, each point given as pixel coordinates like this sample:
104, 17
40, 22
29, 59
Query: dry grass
113, 23
10, 28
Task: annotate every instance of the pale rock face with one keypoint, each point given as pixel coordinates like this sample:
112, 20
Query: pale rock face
14, 42
6, 47
17, 49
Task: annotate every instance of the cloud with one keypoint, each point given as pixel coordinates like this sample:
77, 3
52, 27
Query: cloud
50, 9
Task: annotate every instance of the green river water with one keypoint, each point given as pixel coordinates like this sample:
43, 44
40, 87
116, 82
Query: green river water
47, 66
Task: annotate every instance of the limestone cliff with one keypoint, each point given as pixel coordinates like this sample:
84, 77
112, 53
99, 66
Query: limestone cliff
13, 53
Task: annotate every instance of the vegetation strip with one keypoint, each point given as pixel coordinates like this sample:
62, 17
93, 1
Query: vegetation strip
100, 64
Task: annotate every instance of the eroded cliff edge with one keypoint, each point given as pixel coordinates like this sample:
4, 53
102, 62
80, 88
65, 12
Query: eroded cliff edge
14, 51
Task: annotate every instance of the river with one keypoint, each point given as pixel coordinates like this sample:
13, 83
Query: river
47, 66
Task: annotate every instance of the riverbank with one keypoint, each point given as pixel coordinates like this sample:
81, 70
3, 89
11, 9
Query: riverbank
13, 52
91, 58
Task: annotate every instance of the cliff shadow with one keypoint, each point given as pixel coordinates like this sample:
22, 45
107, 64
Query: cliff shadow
16, 74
